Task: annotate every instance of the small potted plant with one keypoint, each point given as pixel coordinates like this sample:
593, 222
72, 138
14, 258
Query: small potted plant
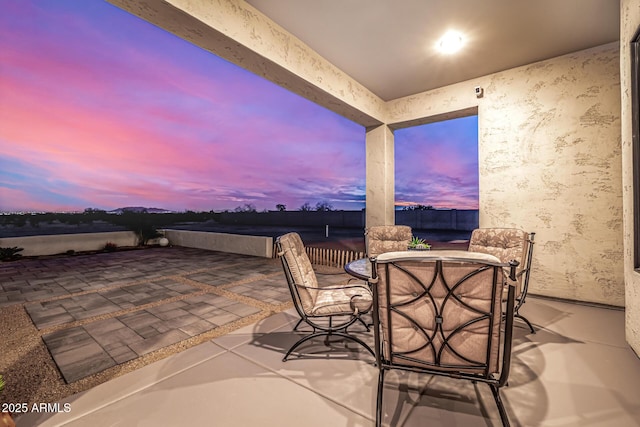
418, 244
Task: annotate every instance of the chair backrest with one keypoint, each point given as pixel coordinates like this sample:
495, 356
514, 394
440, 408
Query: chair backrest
298, 270
387, 238
506, 244
440, 313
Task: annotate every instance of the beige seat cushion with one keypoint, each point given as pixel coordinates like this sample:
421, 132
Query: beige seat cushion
344, 299
387, 238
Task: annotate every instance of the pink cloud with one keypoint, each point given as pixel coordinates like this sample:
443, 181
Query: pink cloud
12, 200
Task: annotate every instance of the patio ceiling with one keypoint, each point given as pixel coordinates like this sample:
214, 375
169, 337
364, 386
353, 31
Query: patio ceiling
388, 46
382, 50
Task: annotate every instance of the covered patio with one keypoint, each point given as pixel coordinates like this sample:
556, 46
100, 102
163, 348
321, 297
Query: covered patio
555, 157
577, 369
554, 131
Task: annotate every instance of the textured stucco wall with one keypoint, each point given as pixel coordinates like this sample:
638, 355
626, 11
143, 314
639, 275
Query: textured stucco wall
550, 162
629, 23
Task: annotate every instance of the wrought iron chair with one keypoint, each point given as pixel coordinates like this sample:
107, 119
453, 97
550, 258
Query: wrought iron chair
387, 238
328, 309
507, 244
442, 315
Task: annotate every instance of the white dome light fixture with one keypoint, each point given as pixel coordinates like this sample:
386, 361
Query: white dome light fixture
451, 42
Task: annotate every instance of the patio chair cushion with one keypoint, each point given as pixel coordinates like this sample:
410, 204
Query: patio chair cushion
387, 238
504, 243
416, 316
440, 313
301, 269
348, 298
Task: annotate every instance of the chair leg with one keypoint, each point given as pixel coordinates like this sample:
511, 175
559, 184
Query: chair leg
355, 339
503, 412
327, 334
525, 320
295, 328
366, 325
520, 316
379, 399
349, 337
326, 339
301, 341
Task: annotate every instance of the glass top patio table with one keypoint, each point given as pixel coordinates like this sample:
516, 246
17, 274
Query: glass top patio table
361, 268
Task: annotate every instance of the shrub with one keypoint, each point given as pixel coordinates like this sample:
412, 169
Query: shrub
140, 223
110, 247
9, 254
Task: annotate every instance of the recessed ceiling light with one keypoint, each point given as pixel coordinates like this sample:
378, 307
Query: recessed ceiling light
451, 42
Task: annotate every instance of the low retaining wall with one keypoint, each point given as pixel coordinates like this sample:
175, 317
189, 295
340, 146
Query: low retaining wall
80, 242
61, 243
223, 242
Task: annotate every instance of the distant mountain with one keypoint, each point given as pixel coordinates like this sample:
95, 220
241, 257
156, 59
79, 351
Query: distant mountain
139, 209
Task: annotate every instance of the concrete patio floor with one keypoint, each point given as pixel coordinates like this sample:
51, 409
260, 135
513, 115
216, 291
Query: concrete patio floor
576, 370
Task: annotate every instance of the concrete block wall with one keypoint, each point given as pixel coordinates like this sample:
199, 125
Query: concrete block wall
463, 220
433, 219
223, 242
82, 242
61, 243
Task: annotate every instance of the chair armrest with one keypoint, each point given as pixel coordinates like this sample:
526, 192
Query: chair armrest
333, 287
347, 286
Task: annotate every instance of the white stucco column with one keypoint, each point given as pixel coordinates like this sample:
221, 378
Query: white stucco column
380, 209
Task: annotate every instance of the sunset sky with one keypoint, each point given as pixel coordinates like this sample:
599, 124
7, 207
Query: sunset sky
101, 109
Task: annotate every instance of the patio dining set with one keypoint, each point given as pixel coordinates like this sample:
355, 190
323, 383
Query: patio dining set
446, 313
